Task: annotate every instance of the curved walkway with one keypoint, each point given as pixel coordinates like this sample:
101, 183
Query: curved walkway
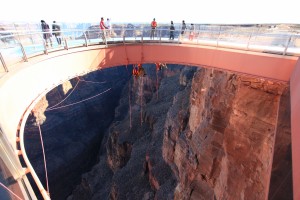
42, 73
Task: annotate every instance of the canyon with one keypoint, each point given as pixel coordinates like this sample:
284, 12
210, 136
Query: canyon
179, 133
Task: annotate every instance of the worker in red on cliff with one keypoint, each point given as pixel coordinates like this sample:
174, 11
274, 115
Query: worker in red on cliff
135, 71
138, 70
159, 66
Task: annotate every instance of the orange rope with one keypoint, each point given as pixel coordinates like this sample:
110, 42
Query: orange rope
10, 191
142, 101
129, 97
156, 84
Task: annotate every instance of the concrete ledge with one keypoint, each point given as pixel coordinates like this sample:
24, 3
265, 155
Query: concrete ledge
23, 84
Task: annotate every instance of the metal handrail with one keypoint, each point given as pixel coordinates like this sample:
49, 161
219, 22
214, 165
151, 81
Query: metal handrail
284, 42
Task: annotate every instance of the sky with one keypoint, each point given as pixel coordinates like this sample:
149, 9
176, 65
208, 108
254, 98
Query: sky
196, 11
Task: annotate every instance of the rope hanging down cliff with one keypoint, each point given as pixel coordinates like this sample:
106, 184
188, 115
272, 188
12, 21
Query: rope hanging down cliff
11, 192
44, 156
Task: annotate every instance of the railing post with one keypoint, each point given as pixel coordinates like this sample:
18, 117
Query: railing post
45, 48
66, 44
17, 32
3, 63
198, 36
24, 53
160, 36
287, 45
248, 43
219, 36
28, 27
85, 38
142, 36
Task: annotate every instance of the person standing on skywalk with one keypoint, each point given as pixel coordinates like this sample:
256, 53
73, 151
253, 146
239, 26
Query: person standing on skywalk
56, 32
103, 29
46, 32
153, 28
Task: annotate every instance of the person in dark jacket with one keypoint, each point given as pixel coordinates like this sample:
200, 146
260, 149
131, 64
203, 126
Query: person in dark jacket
183, 28
56, 32
46, 32
172, 30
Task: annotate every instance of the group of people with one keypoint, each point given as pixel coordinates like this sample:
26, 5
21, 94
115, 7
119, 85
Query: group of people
56, 31
172, 30
183, 30
139, 71
105, 28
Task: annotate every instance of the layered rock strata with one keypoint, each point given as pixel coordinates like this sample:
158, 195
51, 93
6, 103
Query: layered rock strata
208, 134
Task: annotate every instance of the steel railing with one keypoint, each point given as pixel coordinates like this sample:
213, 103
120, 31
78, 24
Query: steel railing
19, 45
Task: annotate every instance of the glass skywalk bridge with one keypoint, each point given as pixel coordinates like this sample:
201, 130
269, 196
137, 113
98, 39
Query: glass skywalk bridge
20, 45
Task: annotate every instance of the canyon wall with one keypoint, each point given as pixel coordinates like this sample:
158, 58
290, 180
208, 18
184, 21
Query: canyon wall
204, 134
178, 133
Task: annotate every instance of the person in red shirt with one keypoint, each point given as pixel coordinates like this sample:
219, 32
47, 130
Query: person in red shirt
102, 28
153, 28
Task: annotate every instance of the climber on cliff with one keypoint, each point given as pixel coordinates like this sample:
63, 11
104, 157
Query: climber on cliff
135, 71
159, 66
138, 70
141, 70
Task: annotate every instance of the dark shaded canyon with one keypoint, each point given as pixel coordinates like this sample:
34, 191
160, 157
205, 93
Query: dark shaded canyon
180, 133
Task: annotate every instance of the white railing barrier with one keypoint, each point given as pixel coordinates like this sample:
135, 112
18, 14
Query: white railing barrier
253, 38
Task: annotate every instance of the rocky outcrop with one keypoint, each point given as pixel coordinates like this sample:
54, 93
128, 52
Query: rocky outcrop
225, 151
132, 153
281, 177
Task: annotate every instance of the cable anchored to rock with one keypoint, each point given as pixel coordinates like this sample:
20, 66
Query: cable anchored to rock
79, 101
65, 97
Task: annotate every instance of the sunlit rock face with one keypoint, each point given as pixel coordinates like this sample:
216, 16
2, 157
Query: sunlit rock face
225, 150
204, 134
281, 179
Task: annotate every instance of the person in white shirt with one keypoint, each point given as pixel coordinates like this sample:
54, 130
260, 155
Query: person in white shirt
108, 25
